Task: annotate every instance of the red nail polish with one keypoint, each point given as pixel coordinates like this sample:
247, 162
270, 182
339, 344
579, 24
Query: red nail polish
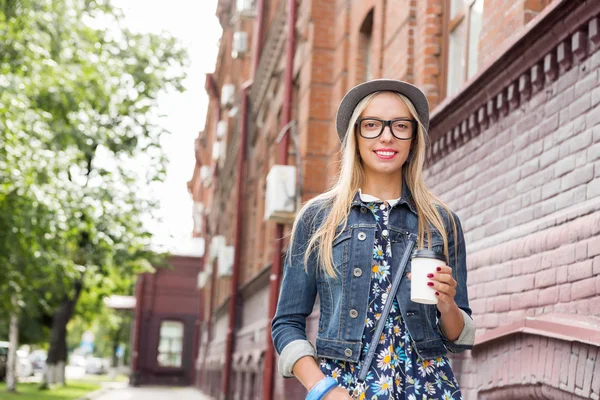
429, 283
439, 269
430, 275
437, 293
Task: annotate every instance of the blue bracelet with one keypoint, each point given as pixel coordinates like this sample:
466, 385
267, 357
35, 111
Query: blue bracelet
322, 387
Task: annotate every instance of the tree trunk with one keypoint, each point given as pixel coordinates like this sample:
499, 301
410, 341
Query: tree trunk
116, 341
57, 353
13, 337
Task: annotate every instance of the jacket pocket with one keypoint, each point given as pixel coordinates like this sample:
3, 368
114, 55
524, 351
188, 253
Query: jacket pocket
341, 248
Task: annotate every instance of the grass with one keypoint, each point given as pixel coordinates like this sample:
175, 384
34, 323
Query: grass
30, 391
102, 378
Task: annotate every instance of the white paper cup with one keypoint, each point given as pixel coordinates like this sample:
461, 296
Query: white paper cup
424, 261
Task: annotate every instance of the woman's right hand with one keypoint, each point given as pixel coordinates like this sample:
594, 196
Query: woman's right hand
338, 394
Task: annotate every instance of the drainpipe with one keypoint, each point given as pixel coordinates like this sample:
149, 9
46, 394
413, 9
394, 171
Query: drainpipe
257, 36
235, 275
139, 294
233, 300
282, 159
213, 93
197, 369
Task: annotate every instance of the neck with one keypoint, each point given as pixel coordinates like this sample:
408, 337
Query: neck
382, 185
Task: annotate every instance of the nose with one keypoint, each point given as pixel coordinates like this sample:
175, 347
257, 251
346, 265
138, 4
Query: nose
386, 135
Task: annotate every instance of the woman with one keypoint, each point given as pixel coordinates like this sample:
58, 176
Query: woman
347, 245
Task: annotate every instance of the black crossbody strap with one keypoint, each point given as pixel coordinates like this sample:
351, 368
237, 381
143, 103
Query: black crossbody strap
386, 311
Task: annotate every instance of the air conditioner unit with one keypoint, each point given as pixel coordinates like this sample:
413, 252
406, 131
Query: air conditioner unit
227, 94
216, 244
280, 202
221, 153
245, 6
226, 254
197, 215
205, 173
221, 129
216, 153
203, 277
239, 47
232, 112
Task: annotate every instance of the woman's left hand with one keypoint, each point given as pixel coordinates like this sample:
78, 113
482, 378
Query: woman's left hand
445, 286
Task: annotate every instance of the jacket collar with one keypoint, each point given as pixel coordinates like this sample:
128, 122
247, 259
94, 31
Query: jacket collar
406, 198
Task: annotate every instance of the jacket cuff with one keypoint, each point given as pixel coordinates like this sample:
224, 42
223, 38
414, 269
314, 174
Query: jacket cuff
467, 336
291, 354
465, 340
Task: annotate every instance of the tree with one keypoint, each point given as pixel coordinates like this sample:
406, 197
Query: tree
78, 103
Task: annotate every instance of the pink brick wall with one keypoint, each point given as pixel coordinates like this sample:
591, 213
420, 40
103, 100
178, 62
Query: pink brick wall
529, 366
527, 190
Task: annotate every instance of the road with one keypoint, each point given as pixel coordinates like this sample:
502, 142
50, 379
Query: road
153, 393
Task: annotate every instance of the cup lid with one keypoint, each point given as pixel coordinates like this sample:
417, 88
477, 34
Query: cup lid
427, 253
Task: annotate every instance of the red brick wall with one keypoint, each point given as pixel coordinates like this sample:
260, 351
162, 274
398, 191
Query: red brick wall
503, 20
428, 44
398, 55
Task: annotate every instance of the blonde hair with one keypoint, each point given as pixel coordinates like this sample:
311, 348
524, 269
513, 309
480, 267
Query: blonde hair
351, 177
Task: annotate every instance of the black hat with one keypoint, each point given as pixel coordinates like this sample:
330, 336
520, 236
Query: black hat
359, 92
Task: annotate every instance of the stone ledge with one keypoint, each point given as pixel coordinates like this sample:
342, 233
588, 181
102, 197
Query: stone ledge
566, 327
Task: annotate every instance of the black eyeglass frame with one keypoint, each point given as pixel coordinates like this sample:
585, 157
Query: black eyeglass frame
387, 123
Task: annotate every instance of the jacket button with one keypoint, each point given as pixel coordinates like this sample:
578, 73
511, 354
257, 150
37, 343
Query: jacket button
362, 236
357, 272
348, 353
353, 313
363, 210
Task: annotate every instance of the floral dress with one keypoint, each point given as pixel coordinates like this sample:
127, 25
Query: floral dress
396, 372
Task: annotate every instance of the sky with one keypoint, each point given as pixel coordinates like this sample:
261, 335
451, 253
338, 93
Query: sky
195, 24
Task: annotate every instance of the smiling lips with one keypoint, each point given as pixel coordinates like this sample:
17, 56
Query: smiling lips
385, 154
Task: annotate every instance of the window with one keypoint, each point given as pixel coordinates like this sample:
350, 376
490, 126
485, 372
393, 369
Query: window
365, 45
170, 346
464, 29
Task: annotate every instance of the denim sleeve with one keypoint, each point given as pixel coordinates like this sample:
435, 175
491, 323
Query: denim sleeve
458, 263
296, 300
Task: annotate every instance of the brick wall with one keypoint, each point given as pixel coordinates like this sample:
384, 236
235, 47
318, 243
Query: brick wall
503, 20
527, 190
524, 178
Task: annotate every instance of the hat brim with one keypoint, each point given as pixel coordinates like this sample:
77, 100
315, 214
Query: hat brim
359, 92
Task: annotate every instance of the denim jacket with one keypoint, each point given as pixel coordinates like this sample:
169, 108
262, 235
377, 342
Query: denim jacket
344, 299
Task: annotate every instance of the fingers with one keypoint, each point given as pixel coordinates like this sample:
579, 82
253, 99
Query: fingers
444, 269
444, 274
444, 298
443, 288
443, 278
409, 275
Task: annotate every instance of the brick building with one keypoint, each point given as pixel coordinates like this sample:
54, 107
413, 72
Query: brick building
165, 328
515, 150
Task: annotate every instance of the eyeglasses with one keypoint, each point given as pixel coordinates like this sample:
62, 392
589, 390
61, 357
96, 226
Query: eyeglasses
372, 128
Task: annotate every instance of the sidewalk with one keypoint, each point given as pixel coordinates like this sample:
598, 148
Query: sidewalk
153, 393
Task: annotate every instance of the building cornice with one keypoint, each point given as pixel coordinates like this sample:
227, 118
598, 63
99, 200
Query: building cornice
270, 57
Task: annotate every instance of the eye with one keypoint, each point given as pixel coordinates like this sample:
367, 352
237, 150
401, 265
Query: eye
371, 124
401, 125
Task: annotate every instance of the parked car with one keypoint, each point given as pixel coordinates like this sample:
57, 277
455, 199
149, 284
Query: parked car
95, 365
38, 360
24, 364
3, 359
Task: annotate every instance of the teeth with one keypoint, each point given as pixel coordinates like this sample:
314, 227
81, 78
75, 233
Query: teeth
385, 153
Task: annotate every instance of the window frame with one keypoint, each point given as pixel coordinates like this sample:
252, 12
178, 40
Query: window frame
158, 352
449, 24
